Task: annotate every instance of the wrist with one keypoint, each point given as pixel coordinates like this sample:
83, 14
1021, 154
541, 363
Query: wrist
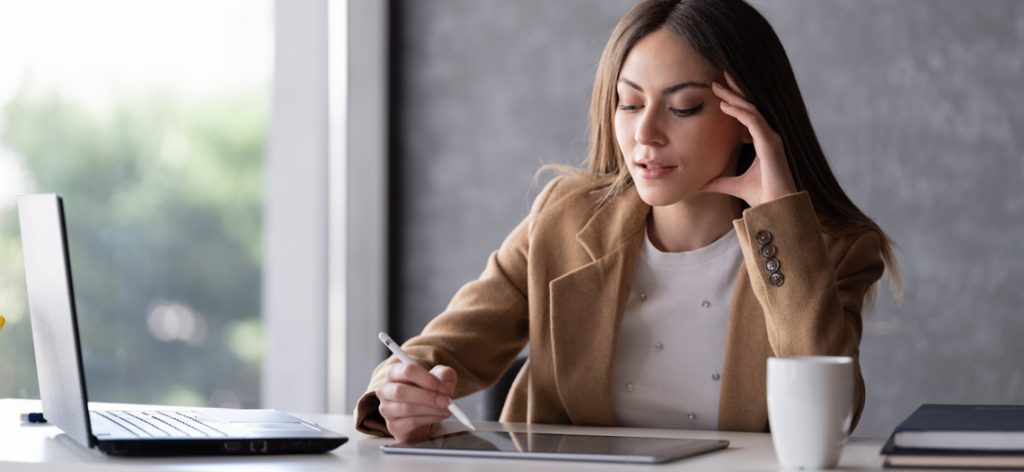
779, 192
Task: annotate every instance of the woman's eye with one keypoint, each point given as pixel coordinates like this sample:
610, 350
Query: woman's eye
625, 107
685, 112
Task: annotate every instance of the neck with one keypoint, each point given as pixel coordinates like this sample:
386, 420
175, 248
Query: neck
693, 223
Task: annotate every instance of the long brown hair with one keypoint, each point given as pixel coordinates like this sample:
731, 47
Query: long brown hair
733, 37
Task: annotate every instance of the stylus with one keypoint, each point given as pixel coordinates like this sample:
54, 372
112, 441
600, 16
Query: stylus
402, 356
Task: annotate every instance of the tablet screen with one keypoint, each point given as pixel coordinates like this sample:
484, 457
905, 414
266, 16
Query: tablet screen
559, 446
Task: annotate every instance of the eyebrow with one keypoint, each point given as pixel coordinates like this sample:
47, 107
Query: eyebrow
666, 90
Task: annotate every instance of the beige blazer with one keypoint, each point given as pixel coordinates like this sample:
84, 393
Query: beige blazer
559, 283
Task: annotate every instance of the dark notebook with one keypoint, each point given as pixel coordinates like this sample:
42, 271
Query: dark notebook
959, 436
951, 458
970, 427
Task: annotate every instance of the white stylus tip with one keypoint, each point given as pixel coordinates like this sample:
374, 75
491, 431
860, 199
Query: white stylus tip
459, 415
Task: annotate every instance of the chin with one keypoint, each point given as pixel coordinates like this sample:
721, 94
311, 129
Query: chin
657, 197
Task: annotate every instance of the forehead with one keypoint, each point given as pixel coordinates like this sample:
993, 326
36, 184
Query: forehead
662, 58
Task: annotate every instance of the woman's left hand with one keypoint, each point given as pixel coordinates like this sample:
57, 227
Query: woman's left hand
768, 177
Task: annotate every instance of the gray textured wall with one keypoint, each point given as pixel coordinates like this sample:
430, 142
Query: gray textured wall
917, 104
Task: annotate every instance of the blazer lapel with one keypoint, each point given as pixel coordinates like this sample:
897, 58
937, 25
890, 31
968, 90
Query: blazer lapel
586, 305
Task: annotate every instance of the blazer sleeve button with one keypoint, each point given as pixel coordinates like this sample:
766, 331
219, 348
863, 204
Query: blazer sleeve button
768, 251
777, 279
764, 237
772, 265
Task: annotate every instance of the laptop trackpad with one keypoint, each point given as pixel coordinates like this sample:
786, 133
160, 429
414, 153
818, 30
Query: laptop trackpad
243, 416
254, 421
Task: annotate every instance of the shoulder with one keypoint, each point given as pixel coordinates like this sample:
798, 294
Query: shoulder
569, 204
568, 196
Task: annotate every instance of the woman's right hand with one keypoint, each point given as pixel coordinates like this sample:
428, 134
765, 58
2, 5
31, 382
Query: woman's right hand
413, 401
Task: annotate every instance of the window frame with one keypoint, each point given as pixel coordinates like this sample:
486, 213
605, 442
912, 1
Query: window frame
325, 261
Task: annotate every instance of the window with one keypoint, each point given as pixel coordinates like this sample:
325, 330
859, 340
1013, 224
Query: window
151, 119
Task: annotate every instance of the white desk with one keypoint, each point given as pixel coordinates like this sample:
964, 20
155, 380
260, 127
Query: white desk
45, 447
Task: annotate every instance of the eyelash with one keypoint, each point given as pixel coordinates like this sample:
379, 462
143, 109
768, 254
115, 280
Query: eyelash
680, 112
685, 112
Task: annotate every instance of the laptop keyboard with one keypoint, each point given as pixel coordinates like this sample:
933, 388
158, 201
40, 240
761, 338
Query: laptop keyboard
162, 424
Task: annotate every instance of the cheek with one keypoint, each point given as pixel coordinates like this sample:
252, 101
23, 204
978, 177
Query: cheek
623, 131
624, 140
722, 142
724, 128
715, 136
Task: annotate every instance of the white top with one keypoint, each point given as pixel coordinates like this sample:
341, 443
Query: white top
672, 340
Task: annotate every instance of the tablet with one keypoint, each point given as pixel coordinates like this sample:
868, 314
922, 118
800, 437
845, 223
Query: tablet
571, 447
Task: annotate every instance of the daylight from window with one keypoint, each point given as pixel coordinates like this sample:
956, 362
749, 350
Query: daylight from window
150, 119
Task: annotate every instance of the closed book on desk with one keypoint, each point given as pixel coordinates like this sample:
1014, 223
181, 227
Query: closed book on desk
963, 427
951, 458
959, 436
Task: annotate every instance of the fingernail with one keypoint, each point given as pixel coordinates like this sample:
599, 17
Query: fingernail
443, 400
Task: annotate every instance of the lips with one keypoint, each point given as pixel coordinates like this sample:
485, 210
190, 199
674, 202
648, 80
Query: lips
652, 169
654, 165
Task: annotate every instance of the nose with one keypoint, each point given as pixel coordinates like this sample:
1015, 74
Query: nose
648, 129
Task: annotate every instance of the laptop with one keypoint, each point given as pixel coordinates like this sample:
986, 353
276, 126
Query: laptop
159, 432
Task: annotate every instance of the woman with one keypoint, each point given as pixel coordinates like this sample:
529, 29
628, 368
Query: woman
707, 235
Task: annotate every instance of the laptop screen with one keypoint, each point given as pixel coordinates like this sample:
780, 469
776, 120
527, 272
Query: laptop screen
52, 309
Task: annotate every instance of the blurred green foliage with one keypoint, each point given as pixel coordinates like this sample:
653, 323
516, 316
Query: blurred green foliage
163, 200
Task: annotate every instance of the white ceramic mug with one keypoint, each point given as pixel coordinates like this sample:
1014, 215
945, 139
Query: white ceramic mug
810, 406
